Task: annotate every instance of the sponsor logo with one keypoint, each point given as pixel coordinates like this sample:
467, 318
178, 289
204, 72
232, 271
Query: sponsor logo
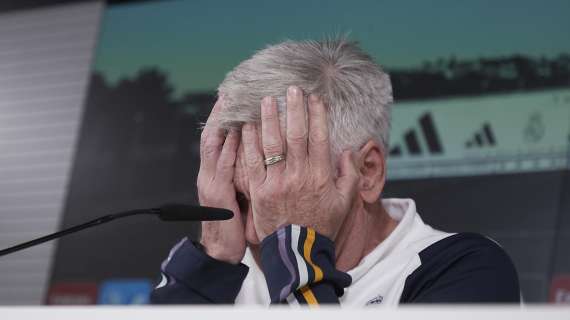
72, 293
560, 289
482, 137
534, 129
376, 300
426, 128
125, 291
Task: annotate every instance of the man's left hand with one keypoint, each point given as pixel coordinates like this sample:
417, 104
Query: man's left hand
301, 189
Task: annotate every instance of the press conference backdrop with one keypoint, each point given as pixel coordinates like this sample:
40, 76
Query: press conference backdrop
480, 135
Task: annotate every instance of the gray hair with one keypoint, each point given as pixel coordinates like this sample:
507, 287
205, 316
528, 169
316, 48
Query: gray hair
357, 92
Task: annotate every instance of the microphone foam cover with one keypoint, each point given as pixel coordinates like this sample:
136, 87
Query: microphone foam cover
182, 212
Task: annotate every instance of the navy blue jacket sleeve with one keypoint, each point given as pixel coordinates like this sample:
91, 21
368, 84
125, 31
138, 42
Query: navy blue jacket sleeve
298, 264
190, 276
463, 268
299, 267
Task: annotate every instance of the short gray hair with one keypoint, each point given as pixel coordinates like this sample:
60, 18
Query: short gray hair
356, 90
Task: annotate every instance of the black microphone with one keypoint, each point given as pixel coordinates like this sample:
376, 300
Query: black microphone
182, 212
168, 212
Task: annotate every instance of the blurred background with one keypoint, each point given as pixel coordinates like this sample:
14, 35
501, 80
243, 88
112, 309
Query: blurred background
100, 105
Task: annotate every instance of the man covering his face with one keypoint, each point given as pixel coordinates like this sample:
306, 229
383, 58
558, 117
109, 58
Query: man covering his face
296, 147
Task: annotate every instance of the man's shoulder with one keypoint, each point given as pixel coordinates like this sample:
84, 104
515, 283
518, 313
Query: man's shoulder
458, 245
474, 264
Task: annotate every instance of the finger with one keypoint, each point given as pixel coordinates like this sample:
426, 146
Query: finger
226, 162
348, 177
296, 129
271, 134
319, 149
211, 140
214, 114
253, 155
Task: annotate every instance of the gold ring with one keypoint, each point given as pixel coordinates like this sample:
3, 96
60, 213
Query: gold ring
273, 160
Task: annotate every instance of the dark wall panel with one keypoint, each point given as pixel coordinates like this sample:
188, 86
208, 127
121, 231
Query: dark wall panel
520, 211
137, 149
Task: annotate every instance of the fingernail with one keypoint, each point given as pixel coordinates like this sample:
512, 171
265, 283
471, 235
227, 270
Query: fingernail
314, 98
266, 102
292, 91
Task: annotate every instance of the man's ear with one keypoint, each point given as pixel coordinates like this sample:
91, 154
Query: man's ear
372, 169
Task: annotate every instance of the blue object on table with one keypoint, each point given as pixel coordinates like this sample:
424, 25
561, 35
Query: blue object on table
125, 291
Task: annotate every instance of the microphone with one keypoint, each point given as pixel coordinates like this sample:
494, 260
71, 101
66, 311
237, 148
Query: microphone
181, 212
168, 212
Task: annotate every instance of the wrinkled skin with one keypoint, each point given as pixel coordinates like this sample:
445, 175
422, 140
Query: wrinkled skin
299, 190
222, 240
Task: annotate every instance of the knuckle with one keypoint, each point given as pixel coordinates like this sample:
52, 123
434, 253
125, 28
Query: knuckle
209, 149
293, 179
320, 182
272, 148
225, 163
319, 138
201, 184
210, 197
297, 138
252, 160
291, 187
202, 196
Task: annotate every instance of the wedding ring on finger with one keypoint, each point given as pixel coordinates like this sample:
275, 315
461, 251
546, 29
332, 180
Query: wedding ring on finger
274, 159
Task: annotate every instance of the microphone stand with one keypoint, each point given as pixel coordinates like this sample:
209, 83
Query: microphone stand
79, 227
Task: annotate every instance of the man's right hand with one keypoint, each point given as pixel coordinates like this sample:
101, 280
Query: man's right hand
222, 240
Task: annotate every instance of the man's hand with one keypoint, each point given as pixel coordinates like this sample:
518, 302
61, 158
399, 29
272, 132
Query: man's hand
223, 240
301, 189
